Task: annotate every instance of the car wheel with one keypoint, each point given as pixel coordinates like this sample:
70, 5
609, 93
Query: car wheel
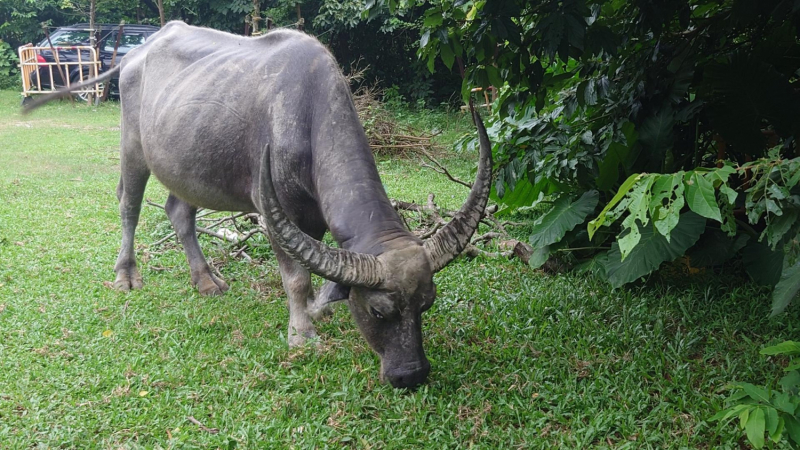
85, 96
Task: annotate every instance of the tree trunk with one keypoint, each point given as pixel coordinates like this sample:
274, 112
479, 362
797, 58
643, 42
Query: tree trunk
161, 11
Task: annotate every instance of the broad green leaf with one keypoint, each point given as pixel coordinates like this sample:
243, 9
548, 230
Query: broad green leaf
609, 167
472, 12
653, 249
756, 393
591, 94
778, 433
715, 248
771, 419
539, 257
595, 265
494, 76
628, 240
744, 416
629, 131
755, 427
762, 264
700, 197
670, 215
729, 193
792, 426
423, 41
563, 217
784, 348
601, 218
580, 92
727, 413
778, 192
783, 402
447, 55
787, 289
640, 200
728, 219
523, 194
655, 134
777, 227
790, 382
719, 176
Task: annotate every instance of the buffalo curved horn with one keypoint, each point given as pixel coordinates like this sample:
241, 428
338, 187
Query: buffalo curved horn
335, 264
448, 242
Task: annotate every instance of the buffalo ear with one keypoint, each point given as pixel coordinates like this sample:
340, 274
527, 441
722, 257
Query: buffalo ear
332, 292
329, 292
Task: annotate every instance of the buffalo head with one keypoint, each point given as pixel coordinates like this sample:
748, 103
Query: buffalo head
388, 292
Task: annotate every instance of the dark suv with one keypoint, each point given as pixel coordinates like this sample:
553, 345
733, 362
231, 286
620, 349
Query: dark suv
78, 35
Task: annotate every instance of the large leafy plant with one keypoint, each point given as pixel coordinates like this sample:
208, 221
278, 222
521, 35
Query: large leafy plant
767, 415
772, 203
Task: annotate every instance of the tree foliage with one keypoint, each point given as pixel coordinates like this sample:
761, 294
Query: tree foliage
664, 107
386, 43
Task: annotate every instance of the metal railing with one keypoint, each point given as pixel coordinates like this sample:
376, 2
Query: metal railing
41, 77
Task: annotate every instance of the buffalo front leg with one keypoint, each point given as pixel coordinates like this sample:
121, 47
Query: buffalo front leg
183, 216
297, 284
130, 191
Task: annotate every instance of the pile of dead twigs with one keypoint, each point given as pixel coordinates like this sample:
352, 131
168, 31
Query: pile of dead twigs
384, 133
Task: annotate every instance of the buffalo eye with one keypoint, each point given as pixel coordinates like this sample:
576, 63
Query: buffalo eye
375, 313
428, 300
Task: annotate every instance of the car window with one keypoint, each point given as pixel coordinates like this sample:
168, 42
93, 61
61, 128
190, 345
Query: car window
128, 41
67, 37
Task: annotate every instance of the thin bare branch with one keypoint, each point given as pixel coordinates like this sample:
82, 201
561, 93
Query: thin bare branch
439, 168
201, 426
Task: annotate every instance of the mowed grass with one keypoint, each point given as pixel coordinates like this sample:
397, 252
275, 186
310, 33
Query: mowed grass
520, 359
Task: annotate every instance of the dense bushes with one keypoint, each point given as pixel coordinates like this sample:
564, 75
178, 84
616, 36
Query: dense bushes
9, 74
657, 129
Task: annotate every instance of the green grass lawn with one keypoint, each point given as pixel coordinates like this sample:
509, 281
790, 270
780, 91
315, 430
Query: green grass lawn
520, 359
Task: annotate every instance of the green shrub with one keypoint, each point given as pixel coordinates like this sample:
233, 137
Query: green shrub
9, 73
761, 410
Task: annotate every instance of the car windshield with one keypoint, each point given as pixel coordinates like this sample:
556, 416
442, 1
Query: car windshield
128, 42
68, 37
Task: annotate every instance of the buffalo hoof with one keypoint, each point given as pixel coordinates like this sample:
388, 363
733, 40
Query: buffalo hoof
298, 338
211, 285
128, 279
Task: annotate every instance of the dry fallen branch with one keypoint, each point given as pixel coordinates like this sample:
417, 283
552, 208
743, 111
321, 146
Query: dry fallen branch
439, 168
201, 426
239, 238
430, 218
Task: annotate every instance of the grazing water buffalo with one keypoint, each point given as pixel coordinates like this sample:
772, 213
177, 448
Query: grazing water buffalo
268, 125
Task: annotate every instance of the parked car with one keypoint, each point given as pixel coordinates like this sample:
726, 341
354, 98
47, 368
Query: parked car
78, 35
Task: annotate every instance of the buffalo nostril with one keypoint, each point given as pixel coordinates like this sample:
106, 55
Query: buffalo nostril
409, 378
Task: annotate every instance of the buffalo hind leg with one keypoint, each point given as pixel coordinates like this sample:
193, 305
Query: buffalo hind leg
297, 284
130, 192
182, 215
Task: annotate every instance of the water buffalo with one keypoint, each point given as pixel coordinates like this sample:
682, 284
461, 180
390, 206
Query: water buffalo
268, 125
